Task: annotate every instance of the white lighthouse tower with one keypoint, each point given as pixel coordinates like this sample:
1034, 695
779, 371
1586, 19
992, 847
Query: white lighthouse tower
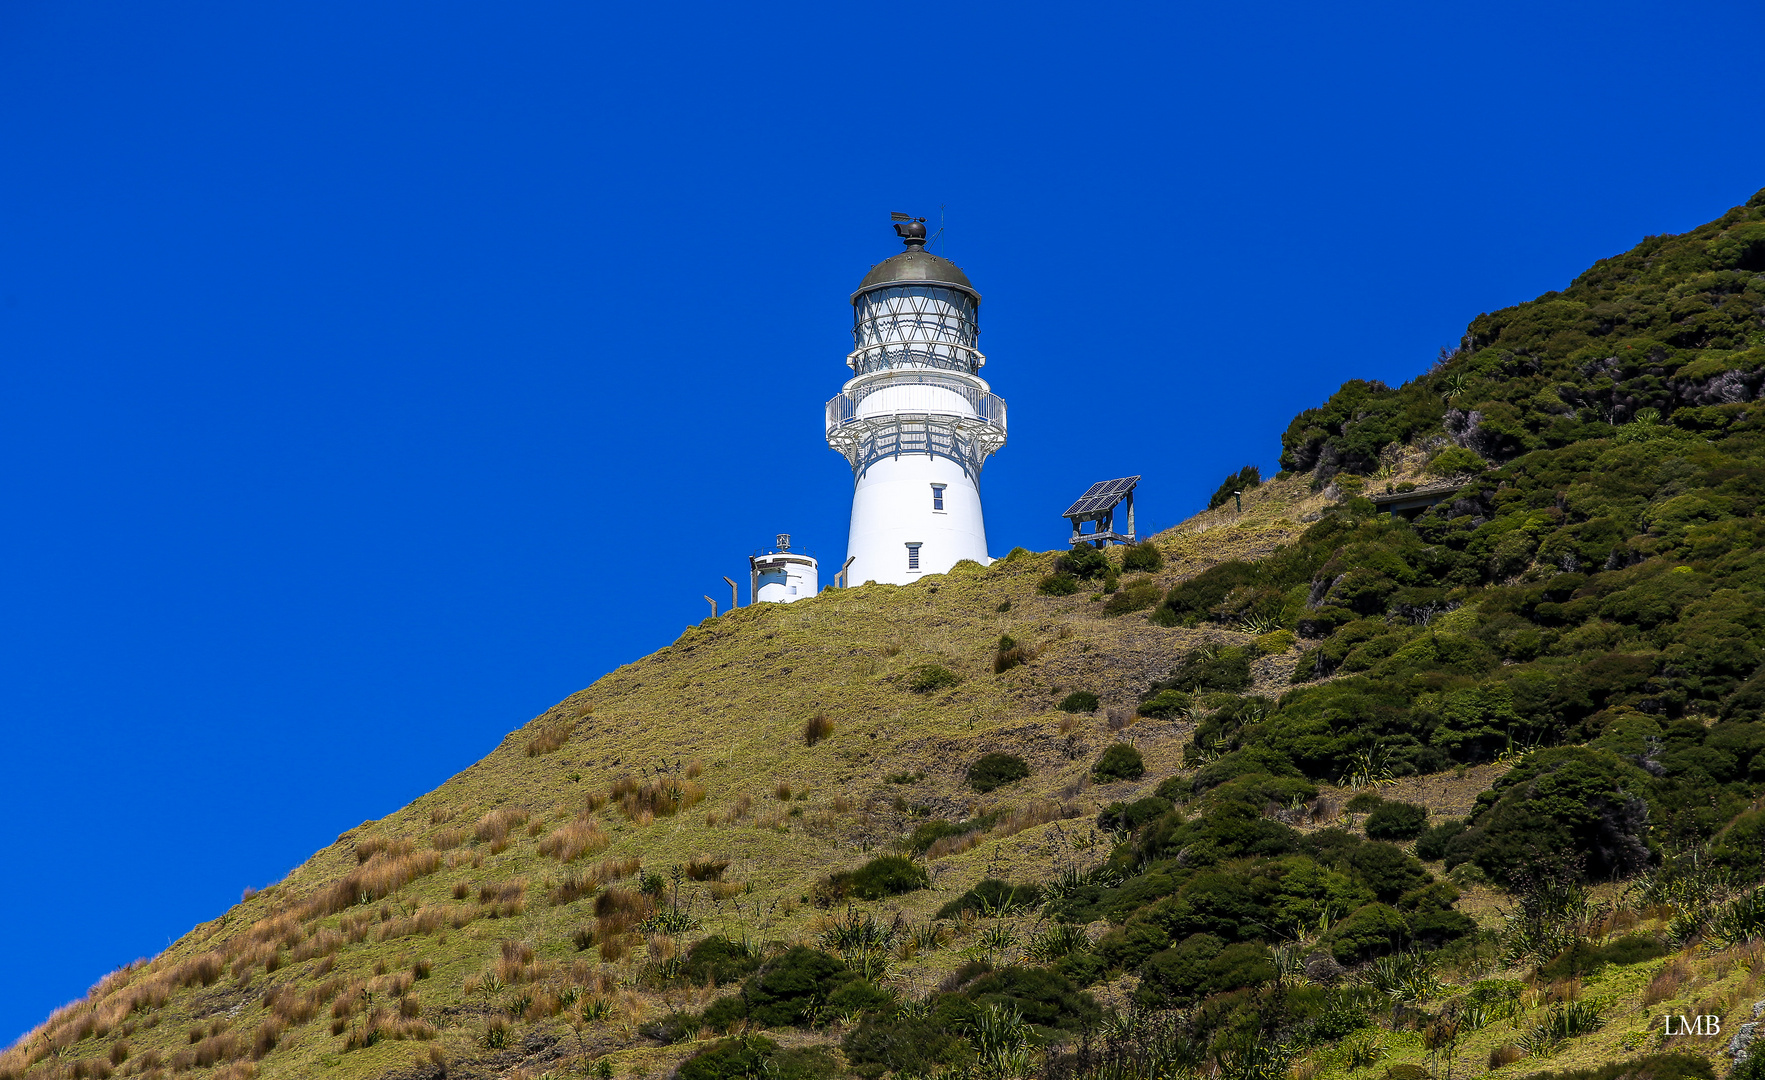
916, 421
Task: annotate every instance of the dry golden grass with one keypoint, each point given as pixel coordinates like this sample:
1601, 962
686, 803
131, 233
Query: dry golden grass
370, 846
705, 869
571, 841
493, 828
1668, 982
816, 729
662, 796
550, 737
380, 876
1505, 1055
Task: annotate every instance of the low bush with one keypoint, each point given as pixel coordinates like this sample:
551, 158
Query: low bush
909, 1045
1372, 930
1058, 585
995, 770
993, 897
1431, 845
1396, 821
928, 678
1130, 816
888, 875
756, 1055
1201, 965
1456, 461
1225, 669
1083, 562
1078, 701
787, 991
1119, 762
928, 833
1166, 704
717, 960
1137, 594
1143, 558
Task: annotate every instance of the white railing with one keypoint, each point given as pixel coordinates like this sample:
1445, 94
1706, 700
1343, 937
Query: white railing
989, 408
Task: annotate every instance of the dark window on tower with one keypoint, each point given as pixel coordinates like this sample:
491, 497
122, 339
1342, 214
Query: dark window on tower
912, 556
937, 496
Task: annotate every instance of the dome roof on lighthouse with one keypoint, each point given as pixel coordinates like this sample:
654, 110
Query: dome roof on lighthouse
914, 265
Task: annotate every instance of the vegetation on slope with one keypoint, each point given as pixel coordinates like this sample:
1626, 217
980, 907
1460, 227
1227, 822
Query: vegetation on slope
1318, 791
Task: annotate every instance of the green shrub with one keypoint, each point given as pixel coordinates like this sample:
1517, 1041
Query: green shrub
725, 1013
1078, 701
993, 896
1165, 704
756, 1055
928, 678
1226, 669
1572, 799
717, 960
1431, 845
1119, 762
995, 770
1243, 480
1373, 930
676, 1026
1083, 562
788, 988
906, 1045
1456, 460
1043, 996
1741, 846
1142, 558
1364, 802
1058, 585
1138, 594
1130, 816
1201, 965
1386, 869
928, 833
1396, 821
887, 875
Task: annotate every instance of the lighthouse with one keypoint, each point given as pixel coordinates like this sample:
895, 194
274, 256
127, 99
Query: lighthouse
916, 421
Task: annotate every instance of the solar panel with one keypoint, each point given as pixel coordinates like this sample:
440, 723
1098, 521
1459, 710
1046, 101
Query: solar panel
1102, 495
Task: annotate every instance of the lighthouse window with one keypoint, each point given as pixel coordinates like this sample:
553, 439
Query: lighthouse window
937, 496
912, 556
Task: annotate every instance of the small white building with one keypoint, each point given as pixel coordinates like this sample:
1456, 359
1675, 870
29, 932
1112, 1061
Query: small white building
781, 576
916, 421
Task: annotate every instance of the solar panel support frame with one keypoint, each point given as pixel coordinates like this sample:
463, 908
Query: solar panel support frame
1098, 505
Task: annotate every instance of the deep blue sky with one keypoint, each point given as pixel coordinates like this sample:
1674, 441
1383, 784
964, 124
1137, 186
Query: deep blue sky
376, 374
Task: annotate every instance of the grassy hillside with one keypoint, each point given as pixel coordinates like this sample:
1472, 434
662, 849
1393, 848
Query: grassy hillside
1300, 790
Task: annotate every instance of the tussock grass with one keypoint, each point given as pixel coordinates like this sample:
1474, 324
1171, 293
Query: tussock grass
379, 877
663, 796
705, 869
1669, 981
575, 839
368, 847
816, 729
493, 828
551, 737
